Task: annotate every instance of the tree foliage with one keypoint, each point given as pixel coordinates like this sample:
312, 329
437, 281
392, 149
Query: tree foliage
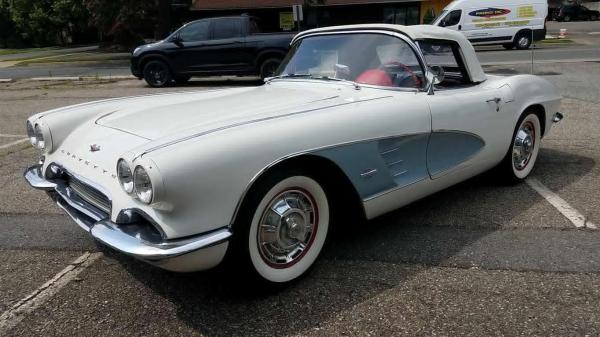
125, 22
43, 22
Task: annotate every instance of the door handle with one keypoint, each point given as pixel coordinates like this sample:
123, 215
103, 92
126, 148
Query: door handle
496, 100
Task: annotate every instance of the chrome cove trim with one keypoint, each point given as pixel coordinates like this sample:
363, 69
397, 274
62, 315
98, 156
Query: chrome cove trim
204, 133
306, 152
114, 235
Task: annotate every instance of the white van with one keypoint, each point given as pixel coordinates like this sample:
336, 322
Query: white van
512, 23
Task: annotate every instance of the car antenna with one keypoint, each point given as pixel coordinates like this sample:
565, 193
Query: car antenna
532, 53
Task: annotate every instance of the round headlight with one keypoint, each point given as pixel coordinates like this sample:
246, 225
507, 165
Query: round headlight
39, 136
125, 176
143, 185
31, 133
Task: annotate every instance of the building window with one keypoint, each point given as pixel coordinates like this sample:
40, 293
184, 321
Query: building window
408, 15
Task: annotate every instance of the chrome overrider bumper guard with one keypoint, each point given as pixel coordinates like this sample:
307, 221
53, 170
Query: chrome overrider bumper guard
190, 254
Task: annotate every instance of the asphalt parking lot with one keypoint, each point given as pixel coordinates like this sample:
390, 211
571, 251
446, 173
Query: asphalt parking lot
478, 259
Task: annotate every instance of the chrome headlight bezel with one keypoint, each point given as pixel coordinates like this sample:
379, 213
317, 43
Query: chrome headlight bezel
43, 137
125, 176
31, 133
143, 186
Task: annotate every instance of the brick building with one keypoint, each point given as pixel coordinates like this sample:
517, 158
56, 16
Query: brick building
275, 15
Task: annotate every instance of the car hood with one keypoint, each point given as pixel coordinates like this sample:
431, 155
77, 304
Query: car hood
155, 117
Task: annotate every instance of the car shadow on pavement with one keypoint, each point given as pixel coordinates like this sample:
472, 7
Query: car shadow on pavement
360, 262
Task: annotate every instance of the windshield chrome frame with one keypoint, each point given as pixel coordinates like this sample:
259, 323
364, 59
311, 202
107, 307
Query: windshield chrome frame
420, 58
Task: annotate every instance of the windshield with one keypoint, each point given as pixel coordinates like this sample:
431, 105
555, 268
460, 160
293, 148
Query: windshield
365, 58
439, 18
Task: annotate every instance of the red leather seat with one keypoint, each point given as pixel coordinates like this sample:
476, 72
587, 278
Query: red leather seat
375, 77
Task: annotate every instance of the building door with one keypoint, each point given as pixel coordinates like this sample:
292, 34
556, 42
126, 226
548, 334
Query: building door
404, 15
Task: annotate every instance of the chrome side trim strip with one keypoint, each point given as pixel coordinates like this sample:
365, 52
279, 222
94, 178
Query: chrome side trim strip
204, 133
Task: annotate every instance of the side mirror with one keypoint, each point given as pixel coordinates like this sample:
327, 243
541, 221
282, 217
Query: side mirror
435, 75
177, 40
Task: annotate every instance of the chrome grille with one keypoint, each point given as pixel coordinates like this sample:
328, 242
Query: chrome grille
90, 194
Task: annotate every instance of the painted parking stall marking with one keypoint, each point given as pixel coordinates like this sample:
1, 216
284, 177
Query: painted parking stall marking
578, 219
17, 312
16, 142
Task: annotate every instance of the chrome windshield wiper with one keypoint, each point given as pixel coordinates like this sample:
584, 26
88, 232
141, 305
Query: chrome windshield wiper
327, 78
269, 79
313, 77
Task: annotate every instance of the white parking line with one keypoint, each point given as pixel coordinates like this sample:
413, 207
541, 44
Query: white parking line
6, 146
17, 312
11, 136
561, 205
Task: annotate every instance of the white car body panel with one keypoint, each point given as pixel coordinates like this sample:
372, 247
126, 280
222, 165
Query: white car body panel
204, 149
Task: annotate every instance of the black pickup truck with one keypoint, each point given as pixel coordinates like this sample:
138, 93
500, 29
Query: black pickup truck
208, 47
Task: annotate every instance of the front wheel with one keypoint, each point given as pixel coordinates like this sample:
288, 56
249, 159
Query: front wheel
281, 228
520, 159
157, 74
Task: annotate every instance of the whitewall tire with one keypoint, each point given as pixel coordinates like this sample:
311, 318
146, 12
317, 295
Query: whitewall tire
283, 228
524, 149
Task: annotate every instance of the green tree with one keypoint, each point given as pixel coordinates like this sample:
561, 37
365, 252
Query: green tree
45, 22
8, 30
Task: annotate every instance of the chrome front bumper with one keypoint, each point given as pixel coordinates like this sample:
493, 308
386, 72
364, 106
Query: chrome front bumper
138, 240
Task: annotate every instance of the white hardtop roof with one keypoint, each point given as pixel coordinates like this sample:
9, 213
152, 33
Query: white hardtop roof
418, 32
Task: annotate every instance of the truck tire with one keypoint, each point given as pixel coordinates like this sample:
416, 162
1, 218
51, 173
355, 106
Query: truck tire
268, 67
157, 74
522, 40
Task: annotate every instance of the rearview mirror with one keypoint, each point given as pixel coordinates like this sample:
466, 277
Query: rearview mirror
438, 74
435, 75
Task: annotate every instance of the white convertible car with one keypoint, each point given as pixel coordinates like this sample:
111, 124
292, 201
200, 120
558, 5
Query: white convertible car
360, 120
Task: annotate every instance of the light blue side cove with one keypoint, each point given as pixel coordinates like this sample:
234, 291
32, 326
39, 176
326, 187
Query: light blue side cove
448, 149
379, 165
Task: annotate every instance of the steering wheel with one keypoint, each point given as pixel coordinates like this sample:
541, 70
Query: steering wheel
404, 67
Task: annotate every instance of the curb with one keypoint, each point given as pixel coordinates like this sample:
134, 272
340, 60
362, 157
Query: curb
82, 78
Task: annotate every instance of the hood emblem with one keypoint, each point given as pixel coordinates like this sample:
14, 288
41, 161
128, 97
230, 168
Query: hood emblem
94, 147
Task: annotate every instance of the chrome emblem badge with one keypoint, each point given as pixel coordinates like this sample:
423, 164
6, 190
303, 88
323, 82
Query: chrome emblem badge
94, 147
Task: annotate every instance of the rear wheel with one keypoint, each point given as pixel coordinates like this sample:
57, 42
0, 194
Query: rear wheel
157, 74
269, 67
594, 18
523, 40
567, 18
520, 159
281, 228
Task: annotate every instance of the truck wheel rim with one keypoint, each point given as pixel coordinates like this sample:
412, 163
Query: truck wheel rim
523, 41
158, 74
524, 145
287, 228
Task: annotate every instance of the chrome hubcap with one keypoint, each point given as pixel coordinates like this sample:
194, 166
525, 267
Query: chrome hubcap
287, 228
524, 146
523, 41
